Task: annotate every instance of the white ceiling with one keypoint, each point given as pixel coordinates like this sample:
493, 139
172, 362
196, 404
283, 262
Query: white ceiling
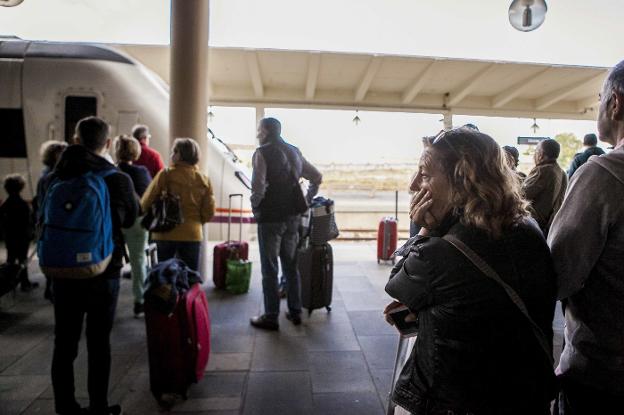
304, 79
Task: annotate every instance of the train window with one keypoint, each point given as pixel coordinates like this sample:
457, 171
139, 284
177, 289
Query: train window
243, 179
12, 136
77, 108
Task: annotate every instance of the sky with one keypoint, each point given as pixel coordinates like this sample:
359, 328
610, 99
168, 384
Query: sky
576, 32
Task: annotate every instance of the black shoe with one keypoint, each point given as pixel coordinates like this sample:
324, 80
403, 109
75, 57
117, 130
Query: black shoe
111, 410
77, 411
294, 318
138, 310
29, 286
264, 322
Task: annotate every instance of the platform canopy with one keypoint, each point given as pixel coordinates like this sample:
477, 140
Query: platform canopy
330, 80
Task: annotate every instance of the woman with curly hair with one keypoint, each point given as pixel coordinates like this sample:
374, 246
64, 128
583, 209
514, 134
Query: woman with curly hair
478, 350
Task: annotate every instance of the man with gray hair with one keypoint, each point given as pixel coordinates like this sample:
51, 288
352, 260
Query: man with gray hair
149, 157
276, 201
587, 244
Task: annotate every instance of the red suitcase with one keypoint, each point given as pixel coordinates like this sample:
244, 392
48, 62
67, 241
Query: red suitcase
228, 249
178, 344
387, 235
386, 239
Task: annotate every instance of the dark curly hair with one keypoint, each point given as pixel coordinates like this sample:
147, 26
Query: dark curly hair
14, 184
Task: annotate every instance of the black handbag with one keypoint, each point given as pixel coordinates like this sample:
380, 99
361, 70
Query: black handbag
165, 213
300, 203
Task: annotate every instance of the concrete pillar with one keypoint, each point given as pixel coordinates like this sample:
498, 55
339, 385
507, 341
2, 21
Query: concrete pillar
259, 115
448, 120
188, 99
188, 104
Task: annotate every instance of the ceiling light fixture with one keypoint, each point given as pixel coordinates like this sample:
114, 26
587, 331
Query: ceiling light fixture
535, 127
356, 119
527, 15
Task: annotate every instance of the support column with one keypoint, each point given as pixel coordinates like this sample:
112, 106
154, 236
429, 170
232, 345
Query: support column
188, 104
259, 115
188, 98
448, 120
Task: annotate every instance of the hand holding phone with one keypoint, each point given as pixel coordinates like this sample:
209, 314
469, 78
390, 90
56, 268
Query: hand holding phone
402, 318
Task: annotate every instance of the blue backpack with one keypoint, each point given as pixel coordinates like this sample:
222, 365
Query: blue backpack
76, 238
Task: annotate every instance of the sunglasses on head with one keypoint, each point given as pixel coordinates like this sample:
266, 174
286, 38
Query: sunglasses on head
442, 133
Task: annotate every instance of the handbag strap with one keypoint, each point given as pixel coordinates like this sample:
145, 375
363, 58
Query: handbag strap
489, 272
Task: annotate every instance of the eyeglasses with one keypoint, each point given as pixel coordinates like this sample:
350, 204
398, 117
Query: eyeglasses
442, 133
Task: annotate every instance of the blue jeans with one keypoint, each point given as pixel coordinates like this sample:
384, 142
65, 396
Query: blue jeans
187, 251
279, 240
73, 299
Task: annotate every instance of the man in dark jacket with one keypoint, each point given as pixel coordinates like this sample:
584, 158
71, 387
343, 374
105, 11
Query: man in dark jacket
277, 168
590, 141
546, 184
94, 297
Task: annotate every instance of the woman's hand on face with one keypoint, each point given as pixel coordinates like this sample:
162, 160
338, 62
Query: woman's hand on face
420, 209
392, 306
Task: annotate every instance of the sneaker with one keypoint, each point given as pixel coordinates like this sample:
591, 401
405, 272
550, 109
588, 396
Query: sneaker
294, 318
139, 310
264, 322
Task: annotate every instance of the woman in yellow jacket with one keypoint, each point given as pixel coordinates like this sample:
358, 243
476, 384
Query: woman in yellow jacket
184, 179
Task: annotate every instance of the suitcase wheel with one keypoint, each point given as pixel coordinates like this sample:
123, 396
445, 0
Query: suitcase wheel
378, 261
328, 308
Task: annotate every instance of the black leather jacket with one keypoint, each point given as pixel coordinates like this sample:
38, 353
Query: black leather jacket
475, 352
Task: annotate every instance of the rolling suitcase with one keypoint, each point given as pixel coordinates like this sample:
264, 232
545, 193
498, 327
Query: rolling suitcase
387, 235
178, 344
316, 267
224, 251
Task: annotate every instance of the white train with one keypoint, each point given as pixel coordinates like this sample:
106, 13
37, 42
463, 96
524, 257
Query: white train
46, 87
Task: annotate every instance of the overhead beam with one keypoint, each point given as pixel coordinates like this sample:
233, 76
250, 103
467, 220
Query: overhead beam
367, 80
560, 94
517, 89
410, 94
457, 96
254, 73
588, 103
314, 64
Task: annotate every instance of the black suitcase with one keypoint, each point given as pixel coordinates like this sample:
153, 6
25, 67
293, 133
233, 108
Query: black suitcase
316, 267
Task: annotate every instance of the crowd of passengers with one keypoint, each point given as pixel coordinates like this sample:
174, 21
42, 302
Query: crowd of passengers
495, 251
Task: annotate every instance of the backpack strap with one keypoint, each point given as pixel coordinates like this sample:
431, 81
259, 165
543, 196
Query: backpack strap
489, 272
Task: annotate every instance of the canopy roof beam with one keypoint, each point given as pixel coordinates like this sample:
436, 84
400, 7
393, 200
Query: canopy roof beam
588, 103
556, 96
314, 64
367, 80
254, 73
410, 94
517, 89
457, 96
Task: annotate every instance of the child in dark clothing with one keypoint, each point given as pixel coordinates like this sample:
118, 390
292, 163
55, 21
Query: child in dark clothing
16, 217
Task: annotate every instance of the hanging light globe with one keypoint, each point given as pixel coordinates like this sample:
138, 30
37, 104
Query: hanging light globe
10, 3
527, 15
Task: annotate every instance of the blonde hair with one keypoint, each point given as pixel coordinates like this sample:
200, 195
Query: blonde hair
485, 192
127, 148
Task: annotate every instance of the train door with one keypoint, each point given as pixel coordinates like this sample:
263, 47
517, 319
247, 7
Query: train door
13, 149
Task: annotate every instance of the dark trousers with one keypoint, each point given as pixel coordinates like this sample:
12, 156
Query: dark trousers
187, 251
95, 298
578, 399
17, 253
279, 240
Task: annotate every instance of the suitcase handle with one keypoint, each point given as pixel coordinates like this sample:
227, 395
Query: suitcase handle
240, 235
